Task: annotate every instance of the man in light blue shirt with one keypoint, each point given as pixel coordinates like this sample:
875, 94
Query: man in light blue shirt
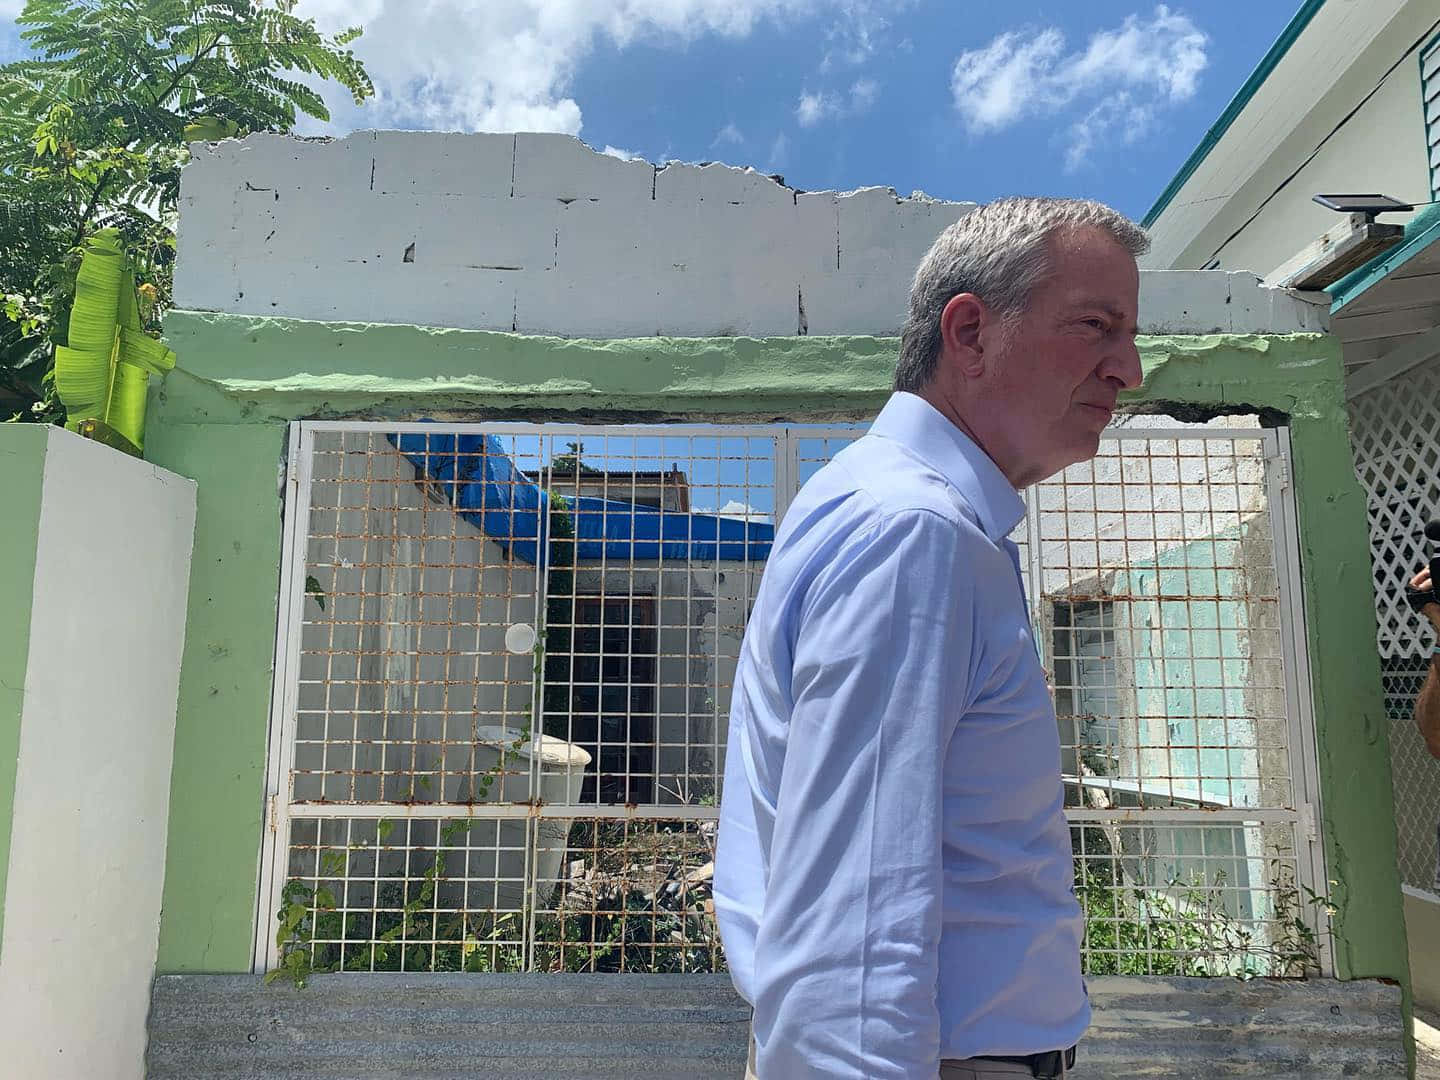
894, 882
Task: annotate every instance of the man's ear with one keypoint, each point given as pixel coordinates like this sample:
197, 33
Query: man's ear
960, 325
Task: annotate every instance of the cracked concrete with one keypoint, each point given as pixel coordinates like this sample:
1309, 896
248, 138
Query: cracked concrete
685, 250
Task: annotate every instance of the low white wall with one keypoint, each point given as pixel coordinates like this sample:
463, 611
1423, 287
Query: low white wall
92, 790
539, 234
1422, 931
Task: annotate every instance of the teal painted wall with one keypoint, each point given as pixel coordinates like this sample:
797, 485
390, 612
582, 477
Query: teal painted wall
1202, 646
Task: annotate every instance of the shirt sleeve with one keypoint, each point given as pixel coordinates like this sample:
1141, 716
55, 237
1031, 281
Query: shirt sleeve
847, 949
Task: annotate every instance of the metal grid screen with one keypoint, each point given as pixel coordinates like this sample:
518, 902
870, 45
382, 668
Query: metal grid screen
1171, 640
505, 670
1395, 431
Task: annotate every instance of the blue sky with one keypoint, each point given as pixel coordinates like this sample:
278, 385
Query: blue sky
962, 100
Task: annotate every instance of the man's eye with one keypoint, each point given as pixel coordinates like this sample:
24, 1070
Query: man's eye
1098, 324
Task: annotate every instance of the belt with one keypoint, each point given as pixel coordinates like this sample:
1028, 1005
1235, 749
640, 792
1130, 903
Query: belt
1050, 1065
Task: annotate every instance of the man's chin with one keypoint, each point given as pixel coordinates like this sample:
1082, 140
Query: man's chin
1085, 446
1081, 448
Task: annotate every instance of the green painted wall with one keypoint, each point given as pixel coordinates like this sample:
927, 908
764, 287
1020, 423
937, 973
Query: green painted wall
22, 480
217, 780
220, 417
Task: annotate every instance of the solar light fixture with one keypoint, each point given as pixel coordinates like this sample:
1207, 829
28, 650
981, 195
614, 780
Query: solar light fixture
1369, 205
1344, 247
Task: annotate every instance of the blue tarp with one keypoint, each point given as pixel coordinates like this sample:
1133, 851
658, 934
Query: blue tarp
477, 477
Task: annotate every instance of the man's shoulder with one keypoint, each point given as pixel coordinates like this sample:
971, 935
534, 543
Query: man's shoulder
878, 497
893, 485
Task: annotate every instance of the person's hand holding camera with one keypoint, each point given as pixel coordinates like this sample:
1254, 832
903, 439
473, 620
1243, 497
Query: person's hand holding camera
1421, 583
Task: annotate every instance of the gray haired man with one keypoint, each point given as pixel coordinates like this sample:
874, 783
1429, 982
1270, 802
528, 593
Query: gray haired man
894, 882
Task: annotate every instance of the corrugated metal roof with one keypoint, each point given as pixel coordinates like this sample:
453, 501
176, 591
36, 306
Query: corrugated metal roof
519, 1027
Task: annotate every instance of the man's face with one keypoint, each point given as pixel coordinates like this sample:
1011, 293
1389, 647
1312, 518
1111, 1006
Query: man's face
1055, 371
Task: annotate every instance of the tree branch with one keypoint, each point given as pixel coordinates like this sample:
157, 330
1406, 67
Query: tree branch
186, 70
83, 227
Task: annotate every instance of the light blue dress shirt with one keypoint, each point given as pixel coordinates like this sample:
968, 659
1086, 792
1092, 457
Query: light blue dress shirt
894, 881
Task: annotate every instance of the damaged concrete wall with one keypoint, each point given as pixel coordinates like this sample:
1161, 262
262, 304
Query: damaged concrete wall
518, 233
369, 277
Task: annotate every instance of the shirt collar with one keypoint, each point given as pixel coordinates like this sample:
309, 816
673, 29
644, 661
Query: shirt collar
918, 426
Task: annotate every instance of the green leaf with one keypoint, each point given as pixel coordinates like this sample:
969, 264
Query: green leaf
333, 864
102, 373
94, 126
83, 369
210, 129
313, 588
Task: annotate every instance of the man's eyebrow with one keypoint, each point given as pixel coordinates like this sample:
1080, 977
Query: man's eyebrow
1094, 303
1104, 305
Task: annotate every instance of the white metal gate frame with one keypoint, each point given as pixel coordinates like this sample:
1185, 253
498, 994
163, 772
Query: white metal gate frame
1304, 817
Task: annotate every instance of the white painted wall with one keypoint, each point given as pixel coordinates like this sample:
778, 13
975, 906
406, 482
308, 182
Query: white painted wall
1422, 931
539, 234
92, 790
1339, 59
1382, 149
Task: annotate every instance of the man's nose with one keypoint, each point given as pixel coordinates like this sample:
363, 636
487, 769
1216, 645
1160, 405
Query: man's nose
1124, 367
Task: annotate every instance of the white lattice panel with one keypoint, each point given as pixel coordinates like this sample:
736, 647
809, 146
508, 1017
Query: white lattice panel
1395, 429
1396, 432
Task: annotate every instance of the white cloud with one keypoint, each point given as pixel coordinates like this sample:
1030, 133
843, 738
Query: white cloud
9, 9
506, 65
728, 134
1126, 74
863, 94
779, 153
825, 105
1116, 117
854, 39
815, 107
994, 86
623, 155
743, 510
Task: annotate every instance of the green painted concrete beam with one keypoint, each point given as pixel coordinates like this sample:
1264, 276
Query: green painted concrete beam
22, 479
220, 418
251, 370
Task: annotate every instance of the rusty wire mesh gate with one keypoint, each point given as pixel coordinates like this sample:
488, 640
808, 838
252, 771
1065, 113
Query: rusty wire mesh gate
503, 675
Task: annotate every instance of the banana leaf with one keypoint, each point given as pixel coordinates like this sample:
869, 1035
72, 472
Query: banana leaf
210, 129
102, 374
